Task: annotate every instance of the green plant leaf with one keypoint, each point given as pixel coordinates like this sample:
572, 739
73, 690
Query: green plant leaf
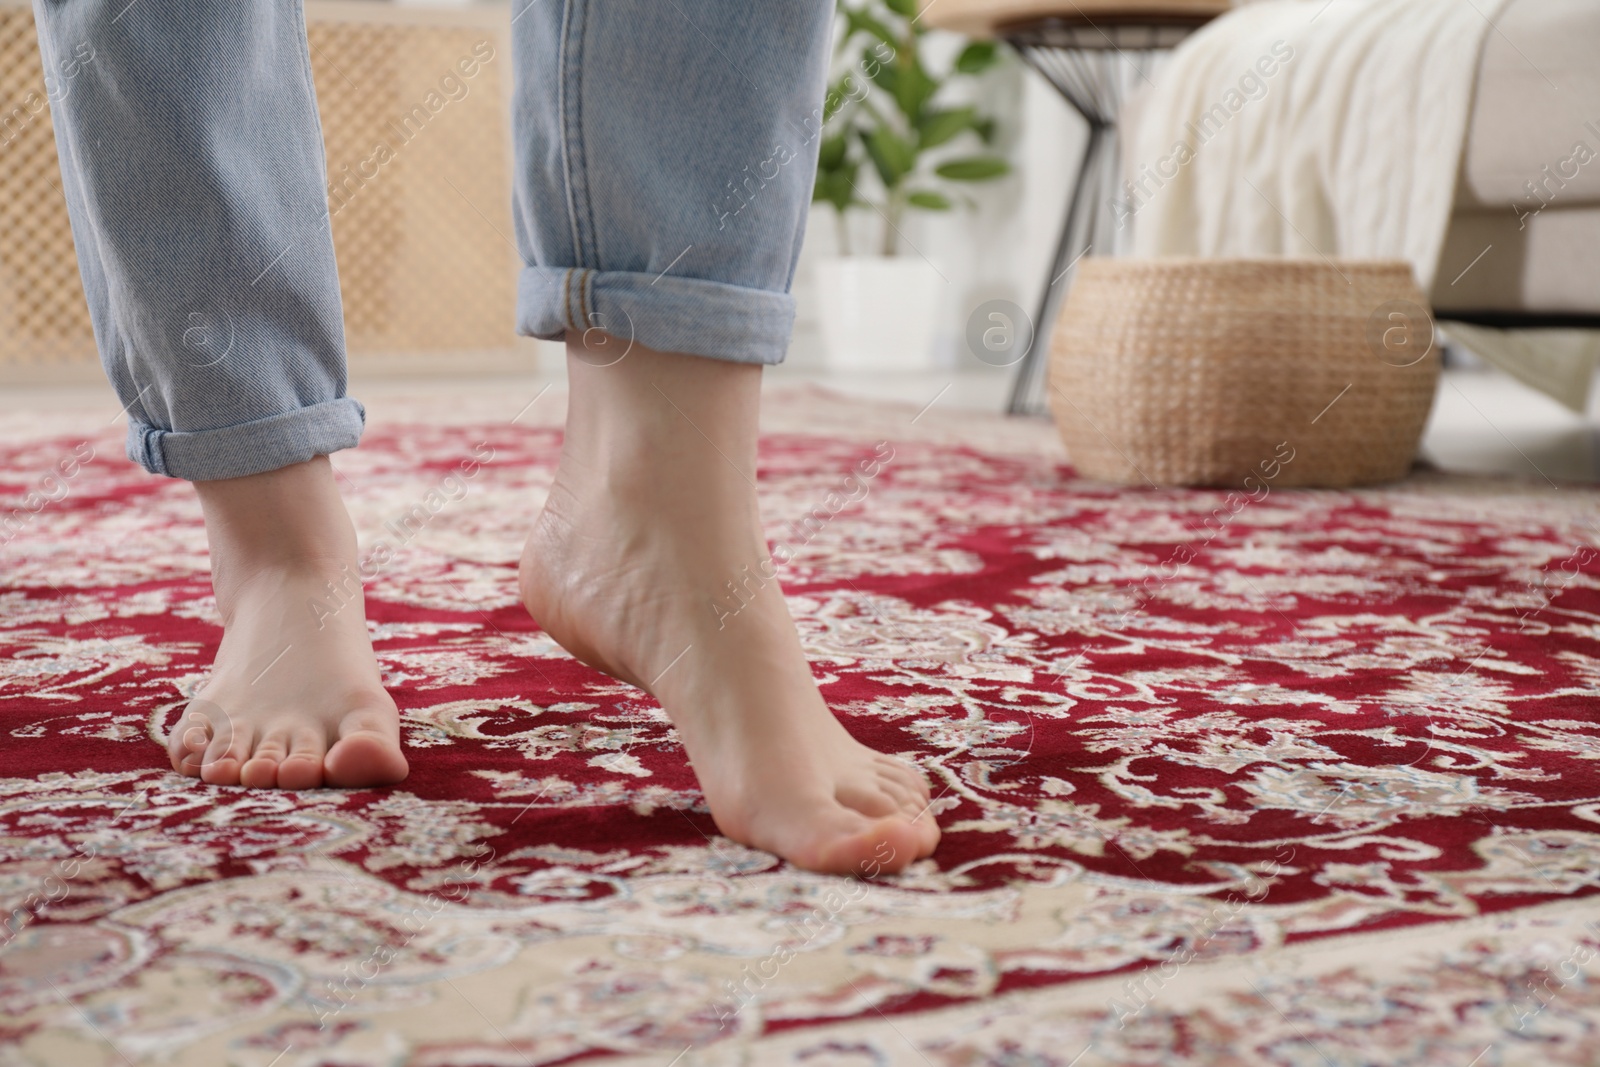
985, 128
831, 153
931, 201
937, 127
863, 22
913, 87
977, 57
973, 169
890, 153
837, 96
908, 8
884, 75
837, 187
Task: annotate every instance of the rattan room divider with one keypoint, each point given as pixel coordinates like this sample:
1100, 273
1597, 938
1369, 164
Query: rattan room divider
426, 263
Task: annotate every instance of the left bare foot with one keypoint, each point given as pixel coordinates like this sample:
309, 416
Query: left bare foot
295, 699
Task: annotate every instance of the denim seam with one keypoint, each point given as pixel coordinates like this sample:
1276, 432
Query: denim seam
572, 128
585, 289
563, 90
593, 231
154, 460
566, 298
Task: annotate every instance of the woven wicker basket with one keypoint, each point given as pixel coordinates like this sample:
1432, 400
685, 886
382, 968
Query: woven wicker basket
1210, 372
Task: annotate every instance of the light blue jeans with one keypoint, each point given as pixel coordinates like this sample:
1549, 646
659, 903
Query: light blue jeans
665, 153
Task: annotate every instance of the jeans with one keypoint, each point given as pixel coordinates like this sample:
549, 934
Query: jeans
665, 152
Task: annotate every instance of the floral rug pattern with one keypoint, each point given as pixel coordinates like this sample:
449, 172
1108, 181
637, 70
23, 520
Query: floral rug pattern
1276, 778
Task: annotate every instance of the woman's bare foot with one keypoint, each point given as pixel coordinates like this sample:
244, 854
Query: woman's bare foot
294, 699
652, 513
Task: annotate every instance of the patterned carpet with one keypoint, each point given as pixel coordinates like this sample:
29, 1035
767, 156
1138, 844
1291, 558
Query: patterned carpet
1294, 779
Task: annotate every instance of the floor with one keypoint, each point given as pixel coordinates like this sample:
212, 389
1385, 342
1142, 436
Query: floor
1482, 421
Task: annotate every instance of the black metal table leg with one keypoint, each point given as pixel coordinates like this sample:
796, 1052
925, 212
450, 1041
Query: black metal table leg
1093, 66
1030, 380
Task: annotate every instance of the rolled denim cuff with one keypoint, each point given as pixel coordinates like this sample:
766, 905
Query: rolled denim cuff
689, 315
248, 448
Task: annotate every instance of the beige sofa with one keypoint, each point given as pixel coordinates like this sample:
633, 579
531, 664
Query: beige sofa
1523, 192
1522, 195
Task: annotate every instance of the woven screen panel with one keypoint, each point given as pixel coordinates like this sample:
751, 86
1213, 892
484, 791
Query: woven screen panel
419, 191
43, 317
424, 249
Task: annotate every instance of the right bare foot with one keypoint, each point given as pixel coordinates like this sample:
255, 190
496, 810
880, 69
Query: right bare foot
295, 699
652, 513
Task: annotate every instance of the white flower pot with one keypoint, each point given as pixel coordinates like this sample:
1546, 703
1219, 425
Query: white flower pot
878, 313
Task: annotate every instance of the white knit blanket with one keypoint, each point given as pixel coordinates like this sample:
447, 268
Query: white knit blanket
1325, 128
1308, 127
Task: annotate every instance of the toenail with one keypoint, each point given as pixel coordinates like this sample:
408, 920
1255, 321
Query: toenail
195, 738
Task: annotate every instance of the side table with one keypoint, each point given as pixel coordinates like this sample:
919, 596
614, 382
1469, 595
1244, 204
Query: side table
1095, 52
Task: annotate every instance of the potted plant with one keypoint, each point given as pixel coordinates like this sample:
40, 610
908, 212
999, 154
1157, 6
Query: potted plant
891, 144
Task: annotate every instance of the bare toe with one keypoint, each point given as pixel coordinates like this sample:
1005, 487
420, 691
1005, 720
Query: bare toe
302, 767
226, 755
906, 800
366, 754
926, 826
882, 846
904, 773
188, 743
866, 795
260, 771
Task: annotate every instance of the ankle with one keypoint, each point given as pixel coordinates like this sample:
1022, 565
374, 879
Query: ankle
288, 518
654, 417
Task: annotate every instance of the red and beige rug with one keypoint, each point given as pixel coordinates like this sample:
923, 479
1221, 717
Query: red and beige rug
1294, 779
